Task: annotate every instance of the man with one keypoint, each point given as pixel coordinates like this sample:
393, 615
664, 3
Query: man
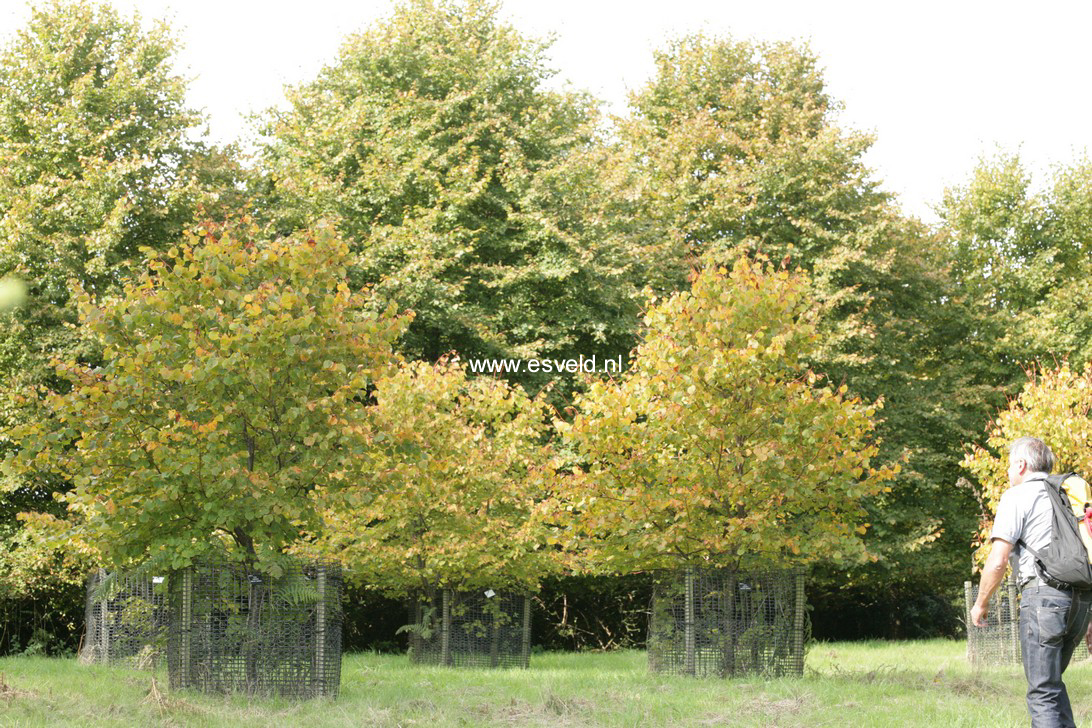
1052, 621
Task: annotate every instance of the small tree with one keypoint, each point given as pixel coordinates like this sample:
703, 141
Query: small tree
718, 446
460, 472
233, 389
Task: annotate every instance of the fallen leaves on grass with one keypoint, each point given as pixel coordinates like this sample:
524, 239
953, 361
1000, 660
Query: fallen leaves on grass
567, 706
771, 710
976, 687
9, 693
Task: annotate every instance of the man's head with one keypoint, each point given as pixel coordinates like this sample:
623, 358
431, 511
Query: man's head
1028, 455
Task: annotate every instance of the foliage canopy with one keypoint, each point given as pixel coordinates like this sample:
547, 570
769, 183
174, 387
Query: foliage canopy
463, 185
460, 469
718, 445
233, 394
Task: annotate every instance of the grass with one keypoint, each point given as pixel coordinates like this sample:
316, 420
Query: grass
925, 683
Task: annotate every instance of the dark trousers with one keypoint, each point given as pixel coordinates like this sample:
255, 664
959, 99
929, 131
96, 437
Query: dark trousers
1052, 623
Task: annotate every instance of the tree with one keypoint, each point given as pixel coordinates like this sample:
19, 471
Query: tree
232, 396
95, 161
1019, 259
739, 145
1023, 255
718, 446
98, 156
1062, 322
459, 474
920, 341
466, 188
738, 148
995, 224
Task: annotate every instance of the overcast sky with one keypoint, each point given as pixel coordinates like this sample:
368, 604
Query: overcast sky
938, 83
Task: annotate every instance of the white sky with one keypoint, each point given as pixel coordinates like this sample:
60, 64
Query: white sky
939, 83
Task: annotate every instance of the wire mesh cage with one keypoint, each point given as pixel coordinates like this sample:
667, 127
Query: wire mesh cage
998, 643
723, 622
470, 629
126, 618
234, 630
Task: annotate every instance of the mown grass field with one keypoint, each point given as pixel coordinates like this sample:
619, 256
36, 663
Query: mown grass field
925, 683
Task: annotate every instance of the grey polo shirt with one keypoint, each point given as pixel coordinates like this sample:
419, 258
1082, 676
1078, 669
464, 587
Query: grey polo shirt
1024, 514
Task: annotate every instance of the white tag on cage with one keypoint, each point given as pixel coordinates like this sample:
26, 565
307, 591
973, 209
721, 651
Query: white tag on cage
489, 594
157, 579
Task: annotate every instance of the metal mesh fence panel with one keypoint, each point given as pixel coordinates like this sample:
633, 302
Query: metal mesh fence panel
125, 620
998, 643
236, 631
722, 622
470, 629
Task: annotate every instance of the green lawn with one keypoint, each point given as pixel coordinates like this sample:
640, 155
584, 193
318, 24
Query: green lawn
846, 684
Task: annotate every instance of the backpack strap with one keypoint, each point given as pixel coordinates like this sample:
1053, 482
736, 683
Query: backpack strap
1057, 480
1047, 481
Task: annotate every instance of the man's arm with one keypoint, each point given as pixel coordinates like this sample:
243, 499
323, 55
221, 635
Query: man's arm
992, 573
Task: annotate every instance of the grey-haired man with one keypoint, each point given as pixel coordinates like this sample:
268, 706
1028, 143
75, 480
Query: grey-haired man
1052, 621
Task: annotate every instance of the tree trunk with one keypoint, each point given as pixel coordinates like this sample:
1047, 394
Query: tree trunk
525, 647
798, 626
254, 645
445, 629
688, 624
320, 632
104, 621
728, 668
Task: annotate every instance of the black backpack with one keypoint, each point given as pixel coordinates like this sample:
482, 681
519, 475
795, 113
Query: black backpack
1064, 563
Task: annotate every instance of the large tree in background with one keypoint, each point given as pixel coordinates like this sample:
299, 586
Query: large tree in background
98, 156
96, 159
1023, 256
739, 146
918, 339
1065, 319
467, 189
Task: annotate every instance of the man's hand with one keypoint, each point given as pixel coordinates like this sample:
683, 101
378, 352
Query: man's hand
992, 572
978, 614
